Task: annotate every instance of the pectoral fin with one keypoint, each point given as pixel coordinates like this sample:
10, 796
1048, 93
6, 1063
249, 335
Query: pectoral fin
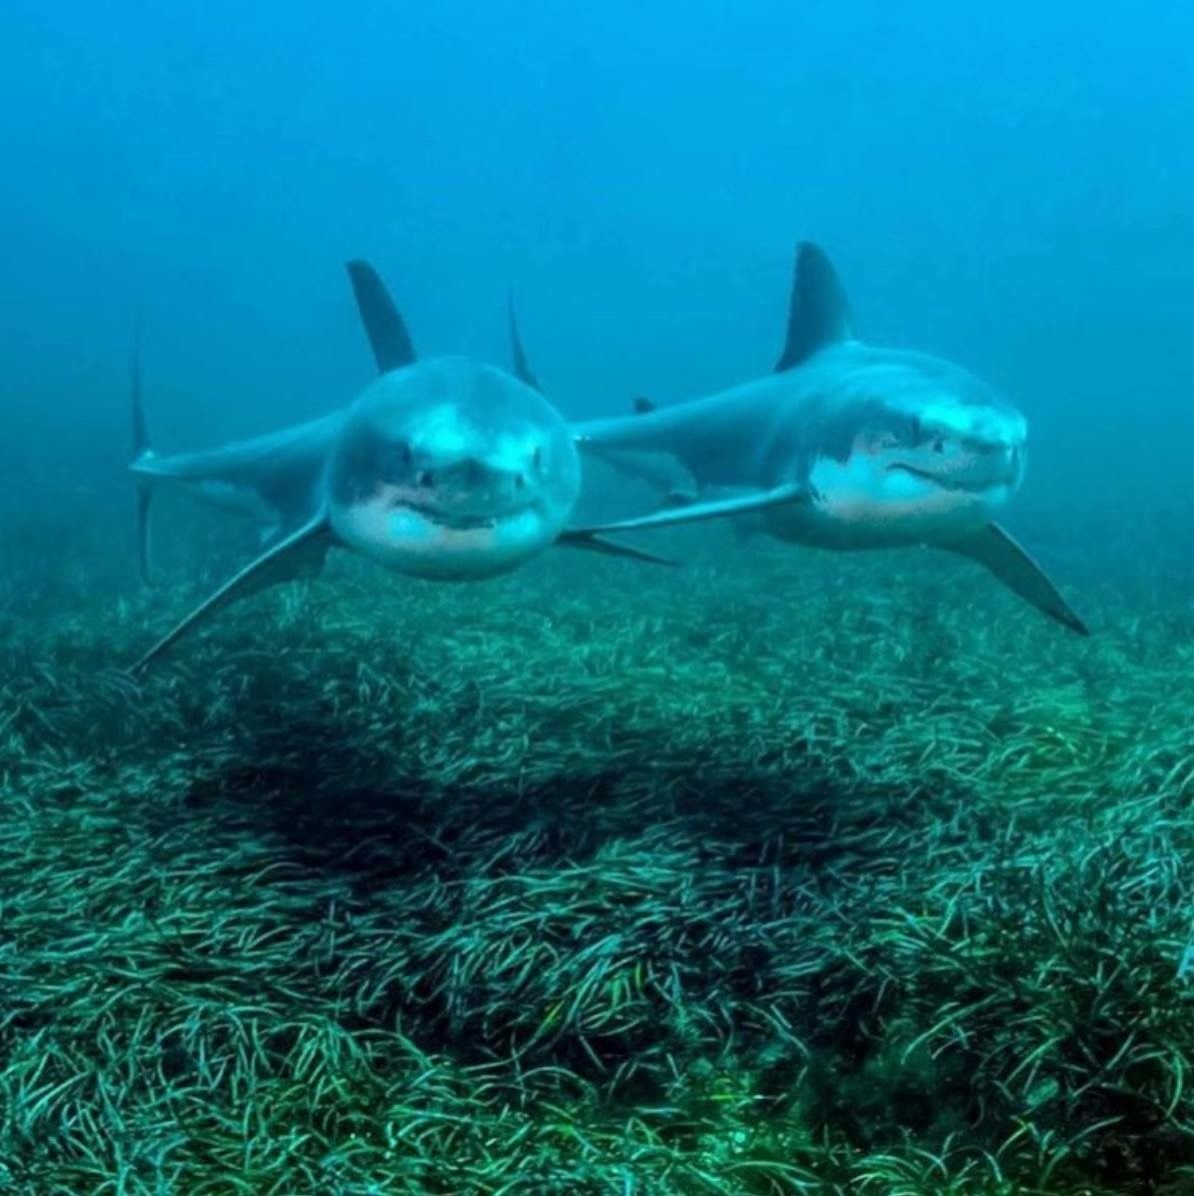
584, 539
694, 512
994, 548
300, 554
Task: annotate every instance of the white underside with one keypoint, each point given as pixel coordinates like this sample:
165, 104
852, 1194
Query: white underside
409, 542
857, 505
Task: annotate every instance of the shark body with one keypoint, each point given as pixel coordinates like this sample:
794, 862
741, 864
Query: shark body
446, 468
845, 446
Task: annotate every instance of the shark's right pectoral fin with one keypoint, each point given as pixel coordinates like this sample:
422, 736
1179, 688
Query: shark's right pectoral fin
993, 547
300, 554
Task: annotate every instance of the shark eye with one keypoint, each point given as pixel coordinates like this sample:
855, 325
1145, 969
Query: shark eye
938, 445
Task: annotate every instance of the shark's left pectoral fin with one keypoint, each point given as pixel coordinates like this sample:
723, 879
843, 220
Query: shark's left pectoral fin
993, 547
590, 541
300, 554
750, 503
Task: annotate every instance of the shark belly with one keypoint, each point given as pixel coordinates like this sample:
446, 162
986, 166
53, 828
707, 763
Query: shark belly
848, 531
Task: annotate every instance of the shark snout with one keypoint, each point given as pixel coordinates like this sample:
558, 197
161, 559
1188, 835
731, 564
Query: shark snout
968, 465
1015, 460
473, 488
480, 475
998, 464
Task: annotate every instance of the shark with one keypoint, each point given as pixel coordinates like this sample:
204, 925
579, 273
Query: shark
445, 468
845, 445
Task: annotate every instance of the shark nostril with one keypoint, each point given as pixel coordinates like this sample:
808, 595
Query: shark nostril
537, 458
520, 481
426, 479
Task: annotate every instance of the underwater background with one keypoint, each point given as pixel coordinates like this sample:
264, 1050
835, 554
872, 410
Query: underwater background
784, 872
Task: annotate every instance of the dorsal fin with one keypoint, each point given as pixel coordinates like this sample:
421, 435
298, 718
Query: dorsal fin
818, 314
522, 371
388, 337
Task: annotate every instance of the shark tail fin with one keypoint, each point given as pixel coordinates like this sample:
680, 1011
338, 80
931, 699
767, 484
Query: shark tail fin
141, 450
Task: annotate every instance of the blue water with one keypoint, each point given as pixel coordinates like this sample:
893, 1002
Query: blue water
1010, 186
866, 802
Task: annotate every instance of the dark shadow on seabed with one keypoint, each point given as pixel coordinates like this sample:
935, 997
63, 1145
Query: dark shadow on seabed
810, 872
358, 813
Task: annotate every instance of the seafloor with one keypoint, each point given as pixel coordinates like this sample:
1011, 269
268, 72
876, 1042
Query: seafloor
782, 872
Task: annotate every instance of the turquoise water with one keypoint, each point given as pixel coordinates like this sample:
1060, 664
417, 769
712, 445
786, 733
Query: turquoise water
783, 870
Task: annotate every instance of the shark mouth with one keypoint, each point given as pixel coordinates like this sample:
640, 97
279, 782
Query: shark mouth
947, 483
461, 522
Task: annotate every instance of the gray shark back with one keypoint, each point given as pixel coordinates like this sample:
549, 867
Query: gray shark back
769, 430
274, 478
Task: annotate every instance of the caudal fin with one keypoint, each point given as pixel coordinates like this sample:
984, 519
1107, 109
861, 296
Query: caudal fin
140, 427
141, 450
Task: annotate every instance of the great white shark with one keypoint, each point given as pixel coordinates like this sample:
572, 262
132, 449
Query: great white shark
446, 468
845, 445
